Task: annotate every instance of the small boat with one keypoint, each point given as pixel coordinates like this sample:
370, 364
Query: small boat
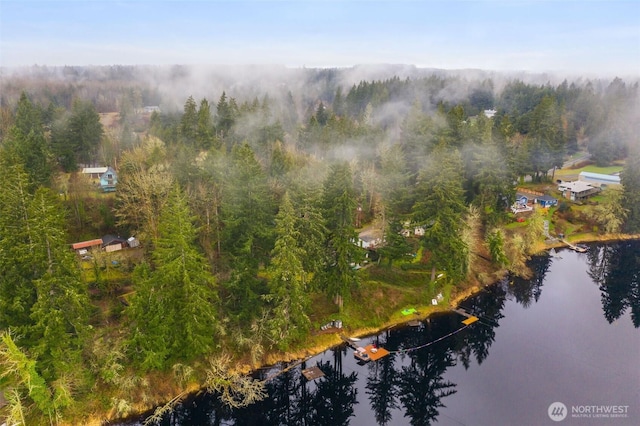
361, 354
353, 339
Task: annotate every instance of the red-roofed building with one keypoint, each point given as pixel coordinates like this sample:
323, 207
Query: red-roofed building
82, 247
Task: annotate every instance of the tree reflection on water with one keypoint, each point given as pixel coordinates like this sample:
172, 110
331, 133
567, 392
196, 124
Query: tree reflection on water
410, 383
616, 270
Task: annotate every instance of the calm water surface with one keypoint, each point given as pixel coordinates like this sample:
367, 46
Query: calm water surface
568, 335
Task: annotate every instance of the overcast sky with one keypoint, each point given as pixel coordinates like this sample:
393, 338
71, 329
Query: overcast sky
586, 37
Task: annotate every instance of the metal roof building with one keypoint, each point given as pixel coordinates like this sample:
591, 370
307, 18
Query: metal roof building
599, 178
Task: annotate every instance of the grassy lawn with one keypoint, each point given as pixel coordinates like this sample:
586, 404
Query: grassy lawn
384, 293
590, 168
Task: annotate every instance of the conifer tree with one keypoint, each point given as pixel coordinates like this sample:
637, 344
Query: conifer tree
342, 254
173, 314
61, 310
204, 127
631, 190
440, 207
287, 281
189, 122
17, 294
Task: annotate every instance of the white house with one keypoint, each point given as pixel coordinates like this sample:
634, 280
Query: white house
577, 190
489, 113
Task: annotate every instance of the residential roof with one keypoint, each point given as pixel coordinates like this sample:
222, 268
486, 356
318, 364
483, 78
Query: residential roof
92, 170
112, 239
85, 244
600, 176
577, 186
546, 198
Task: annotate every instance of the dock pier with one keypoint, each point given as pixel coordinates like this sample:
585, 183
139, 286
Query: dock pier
574, 247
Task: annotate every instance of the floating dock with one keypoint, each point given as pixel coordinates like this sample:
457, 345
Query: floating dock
312, 373
370, 353
470, 319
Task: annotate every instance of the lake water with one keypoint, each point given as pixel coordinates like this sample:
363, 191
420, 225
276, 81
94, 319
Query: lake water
568, 335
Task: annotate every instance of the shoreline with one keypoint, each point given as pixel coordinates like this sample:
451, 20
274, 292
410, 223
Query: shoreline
423, 313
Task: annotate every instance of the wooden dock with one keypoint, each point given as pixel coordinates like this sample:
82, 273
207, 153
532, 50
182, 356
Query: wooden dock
470, 319
370, 353
575, 248
348, 341
312, 373
373, 352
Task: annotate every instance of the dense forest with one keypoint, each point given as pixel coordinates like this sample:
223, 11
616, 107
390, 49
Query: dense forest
249, 193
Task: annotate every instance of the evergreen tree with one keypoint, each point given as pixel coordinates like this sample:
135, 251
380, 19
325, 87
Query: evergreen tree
310, 222
548, 147
494, 182
173, 313
226, 116
17, 293
440, 207
189, 122
61, 310
287, 281
204, 127
76, 138
28, 117
395, 185
26, 143
396, 246
31, 150
342, 254
631, 190
248, 218
248, 210
609, 214
495, 240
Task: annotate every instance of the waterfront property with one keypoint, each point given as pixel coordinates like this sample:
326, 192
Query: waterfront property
546, 201
577, 190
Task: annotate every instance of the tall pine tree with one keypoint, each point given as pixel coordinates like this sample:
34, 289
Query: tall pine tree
440, 207
342, 254
287, 281
173, 313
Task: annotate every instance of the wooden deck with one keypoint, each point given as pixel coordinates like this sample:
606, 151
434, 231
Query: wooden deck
379, 352
573, 247
470, 319
312, 373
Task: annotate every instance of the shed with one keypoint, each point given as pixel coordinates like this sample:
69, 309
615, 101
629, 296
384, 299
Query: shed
546, 201
113, 243
83, 246
133, 242
368, 241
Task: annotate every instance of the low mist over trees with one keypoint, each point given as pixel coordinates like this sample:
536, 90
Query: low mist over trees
248, 199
